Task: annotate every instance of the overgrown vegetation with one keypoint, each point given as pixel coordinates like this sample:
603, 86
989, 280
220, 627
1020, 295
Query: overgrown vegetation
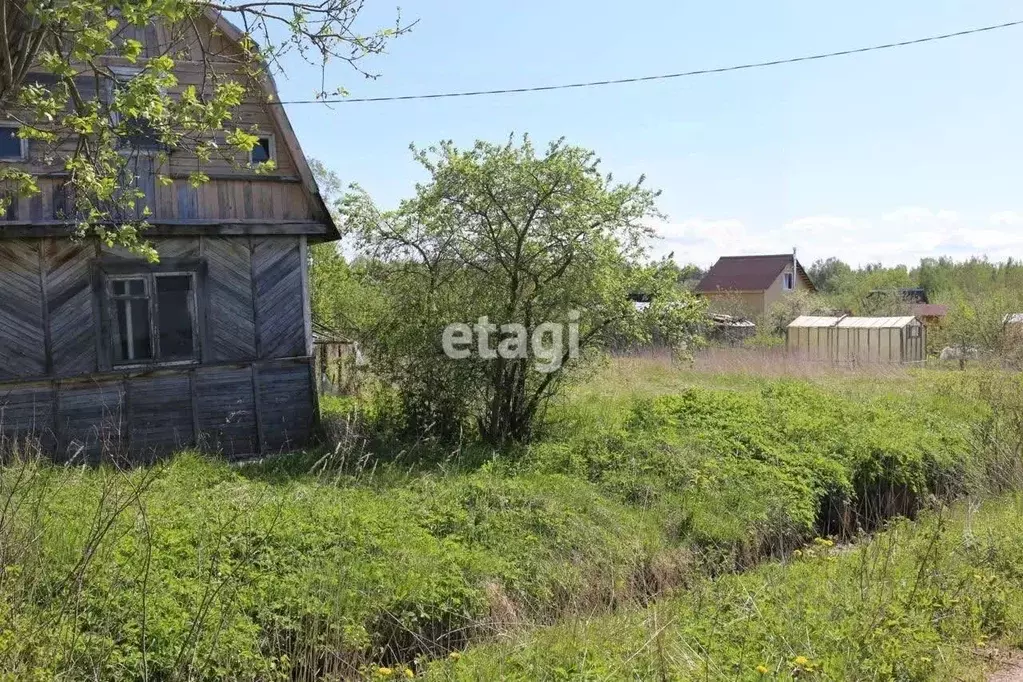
488, 287
389, 556
927, 601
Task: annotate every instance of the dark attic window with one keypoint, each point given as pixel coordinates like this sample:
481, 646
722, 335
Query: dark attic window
263, 151
12, 147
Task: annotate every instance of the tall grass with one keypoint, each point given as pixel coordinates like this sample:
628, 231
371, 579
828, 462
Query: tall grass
373, 554
936, 600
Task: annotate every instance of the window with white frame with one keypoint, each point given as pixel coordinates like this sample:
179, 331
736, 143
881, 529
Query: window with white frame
12, 147
265, 150
788, 281
153, 317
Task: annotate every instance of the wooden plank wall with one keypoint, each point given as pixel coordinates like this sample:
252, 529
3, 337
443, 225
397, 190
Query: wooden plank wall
69, 301
159, 412
192, 69
22, 342
252, 393
232, 331
285, 417
270, 199
90, 420
277, 282
226, 406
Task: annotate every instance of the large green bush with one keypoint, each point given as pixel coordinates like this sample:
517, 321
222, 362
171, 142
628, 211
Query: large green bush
768, 468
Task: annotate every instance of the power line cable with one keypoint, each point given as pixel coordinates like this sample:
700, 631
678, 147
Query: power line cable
667, 76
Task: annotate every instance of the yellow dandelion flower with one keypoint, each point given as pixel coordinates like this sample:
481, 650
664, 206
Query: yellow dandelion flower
454, 655
801, 661
409, 674
384, 672
762, 669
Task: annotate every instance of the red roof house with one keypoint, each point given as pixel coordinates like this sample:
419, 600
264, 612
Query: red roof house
754, 282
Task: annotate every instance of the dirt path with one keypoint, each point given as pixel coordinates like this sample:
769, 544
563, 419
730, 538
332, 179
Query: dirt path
1012, 672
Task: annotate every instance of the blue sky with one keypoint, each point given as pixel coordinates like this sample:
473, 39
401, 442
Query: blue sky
887, 156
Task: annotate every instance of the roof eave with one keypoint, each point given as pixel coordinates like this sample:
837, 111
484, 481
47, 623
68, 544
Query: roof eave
280, 117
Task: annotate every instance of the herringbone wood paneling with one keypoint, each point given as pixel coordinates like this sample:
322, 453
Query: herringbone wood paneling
277, 280
252, 301
69, 296
22, 336
230, 326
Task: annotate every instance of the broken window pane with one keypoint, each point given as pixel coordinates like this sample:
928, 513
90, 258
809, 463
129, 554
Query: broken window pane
174, 321
261, 152
154, 304
133, 330
129, 287
10, 143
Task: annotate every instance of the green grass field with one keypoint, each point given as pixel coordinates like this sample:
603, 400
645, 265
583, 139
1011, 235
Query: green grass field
653, 484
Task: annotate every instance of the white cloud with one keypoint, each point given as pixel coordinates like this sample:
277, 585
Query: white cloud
1006, 218
701, 240
903, 235
822, 222
907, 215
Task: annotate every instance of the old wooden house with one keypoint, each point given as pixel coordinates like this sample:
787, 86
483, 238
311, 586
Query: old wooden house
212, 346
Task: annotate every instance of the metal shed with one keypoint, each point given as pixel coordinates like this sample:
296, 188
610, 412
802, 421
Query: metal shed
871, 340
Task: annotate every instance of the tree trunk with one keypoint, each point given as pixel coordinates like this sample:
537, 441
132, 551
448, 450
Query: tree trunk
19, 47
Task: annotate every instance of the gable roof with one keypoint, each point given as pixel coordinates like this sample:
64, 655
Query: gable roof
844, 322
283, 124
929, 309
749, 273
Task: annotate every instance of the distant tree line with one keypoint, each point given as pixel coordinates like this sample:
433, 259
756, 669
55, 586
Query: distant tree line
978, 293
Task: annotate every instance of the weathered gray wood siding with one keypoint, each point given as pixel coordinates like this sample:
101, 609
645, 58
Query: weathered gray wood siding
160, 412
277, 281
286, 411
70, 307
251, 393
226, 405
22, 325
230, 313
